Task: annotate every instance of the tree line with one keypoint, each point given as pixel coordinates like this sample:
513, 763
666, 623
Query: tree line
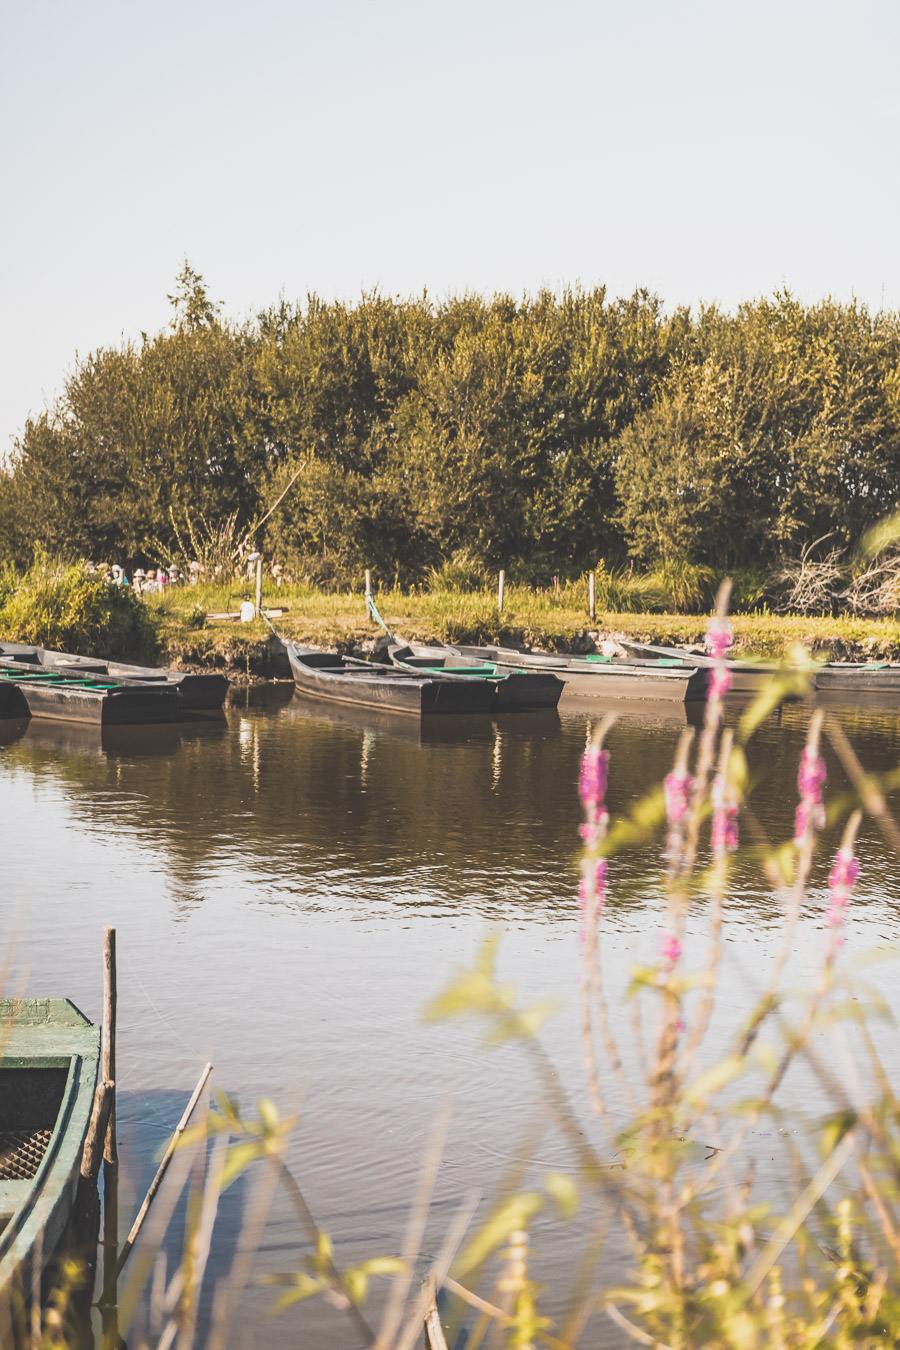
539, 434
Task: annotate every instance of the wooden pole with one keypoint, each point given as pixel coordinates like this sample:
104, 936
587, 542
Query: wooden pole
500, 589
92, 1155
591, 605
368, 581
161, 1171
259, 586
111, 1146
108, 1042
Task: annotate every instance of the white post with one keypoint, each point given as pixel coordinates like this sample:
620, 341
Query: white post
259, 586
500, 590
368, 581
591, 605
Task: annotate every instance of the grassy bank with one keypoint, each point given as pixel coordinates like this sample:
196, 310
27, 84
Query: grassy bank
547, 619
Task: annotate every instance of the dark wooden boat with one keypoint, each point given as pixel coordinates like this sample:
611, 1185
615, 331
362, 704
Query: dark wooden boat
747, 677
39, 692
855, 677
871, 677
204, 692
48, 1073
602, 676
344, 680
513, 690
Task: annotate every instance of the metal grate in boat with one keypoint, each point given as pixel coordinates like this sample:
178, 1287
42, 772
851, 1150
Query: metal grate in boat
21, 1152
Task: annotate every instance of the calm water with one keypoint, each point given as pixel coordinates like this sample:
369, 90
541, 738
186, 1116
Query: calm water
290, 888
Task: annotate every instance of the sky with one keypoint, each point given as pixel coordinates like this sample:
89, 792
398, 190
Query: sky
712, 152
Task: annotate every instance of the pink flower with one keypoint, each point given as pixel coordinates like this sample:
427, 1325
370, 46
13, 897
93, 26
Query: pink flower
718, 639
720, 682
669, 948
593, 828
584, 893
841, 880
677, 788
725, 814
810, 812
592, 780
811, 775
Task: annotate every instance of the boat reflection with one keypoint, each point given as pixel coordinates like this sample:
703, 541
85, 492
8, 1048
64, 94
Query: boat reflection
115, 742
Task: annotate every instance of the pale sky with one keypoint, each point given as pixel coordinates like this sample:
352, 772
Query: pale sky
708, 151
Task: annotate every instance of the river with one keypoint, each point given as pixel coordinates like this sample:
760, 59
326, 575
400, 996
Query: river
291, 886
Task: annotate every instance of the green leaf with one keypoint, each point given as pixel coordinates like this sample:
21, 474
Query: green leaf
516, 1212
563, 1190
713, 1080
238, 1159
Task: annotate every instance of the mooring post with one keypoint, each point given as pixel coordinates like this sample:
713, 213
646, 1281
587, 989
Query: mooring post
591, 606
500, 589
259, 585
368, 582
111, 1148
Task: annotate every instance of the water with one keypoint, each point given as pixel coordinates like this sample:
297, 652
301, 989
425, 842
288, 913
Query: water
292, 886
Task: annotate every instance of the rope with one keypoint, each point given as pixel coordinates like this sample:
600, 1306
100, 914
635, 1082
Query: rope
373, 613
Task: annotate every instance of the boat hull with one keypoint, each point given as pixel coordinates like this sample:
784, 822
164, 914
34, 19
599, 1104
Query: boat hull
34, 694
604, 679
47, 1081
204, 692
327, 676
849, 677
514, 691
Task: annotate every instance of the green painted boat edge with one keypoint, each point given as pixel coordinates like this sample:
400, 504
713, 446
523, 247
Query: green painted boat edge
47, 1032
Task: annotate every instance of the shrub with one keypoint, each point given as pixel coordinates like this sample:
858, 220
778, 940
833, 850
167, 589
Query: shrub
461, 572
69, 607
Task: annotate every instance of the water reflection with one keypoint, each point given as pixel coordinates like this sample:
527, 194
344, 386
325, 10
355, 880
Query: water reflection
291, 886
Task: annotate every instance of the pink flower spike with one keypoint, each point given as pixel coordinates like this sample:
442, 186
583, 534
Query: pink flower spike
677, 788
811, 775
592, 780
718, 639
669, 948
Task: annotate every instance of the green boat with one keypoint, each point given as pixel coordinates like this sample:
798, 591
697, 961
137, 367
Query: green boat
49, 1056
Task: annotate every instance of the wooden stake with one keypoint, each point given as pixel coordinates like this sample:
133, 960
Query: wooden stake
94, 1142
161, 1171
591, 606
500, 589
111, 1147
434, 1332
368, 581
259, 586
108, 1043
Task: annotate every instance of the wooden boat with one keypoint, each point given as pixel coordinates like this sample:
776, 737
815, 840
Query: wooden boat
871, 677
345, 680
834, 677
48, 1074
747, 677
602, 676
513, 690
199, 693
37, 692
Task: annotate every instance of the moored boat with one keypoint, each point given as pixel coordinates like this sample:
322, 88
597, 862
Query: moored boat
603, 676
327, 675
203, 692
871, 677
747, 677
36, 692
513, 690
48, 1074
